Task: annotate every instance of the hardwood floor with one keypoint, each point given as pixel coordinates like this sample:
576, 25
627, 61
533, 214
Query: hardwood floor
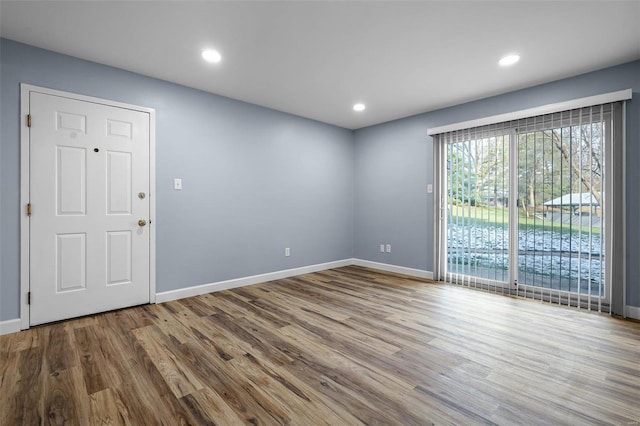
346, 346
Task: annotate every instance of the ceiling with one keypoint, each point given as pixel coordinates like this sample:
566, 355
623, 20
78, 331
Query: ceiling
316, 59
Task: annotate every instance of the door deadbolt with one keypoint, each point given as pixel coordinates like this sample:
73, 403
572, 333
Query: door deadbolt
141, 195
142, 222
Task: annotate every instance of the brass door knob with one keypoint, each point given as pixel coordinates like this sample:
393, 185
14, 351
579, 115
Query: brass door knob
142, 222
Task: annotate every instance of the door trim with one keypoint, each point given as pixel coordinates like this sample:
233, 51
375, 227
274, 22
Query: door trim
25, 161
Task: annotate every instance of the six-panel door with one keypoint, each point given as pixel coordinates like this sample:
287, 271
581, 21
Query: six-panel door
89, 163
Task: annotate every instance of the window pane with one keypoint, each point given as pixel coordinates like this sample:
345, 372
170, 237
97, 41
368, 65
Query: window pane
478, 197
560, 230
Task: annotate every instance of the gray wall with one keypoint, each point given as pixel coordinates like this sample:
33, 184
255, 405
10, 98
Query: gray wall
394, 164
255, 180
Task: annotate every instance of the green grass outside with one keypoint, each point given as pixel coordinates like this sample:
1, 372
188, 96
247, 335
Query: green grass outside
498, 215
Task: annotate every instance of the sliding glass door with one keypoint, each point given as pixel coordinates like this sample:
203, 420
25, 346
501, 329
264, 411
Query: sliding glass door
524, 206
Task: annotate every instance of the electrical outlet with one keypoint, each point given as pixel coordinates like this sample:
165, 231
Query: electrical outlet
287, 252
381, 248
388, 248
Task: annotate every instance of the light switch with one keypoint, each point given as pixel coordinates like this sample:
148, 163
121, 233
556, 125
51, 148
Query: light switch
429, 188
177, 183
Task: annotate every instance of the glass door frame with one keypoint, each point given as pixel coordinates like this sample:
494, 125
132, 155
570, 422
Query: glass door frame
441, 223
441, 205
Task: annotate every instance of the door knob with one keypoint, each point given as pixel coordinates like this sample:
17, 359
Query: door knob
142, 222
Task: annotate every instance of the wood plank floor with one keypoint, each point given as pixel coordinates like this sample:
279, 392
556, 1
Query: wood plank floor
344, 347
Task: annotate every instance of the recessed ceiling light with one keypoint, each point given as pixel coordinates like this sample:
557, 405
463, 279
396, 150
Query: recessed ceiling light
509, 60
211, 55
359, 107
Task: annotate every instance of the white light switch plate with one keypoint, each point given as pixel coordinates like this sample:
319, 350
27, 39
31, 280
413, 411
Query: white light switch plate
429, 188
177, 183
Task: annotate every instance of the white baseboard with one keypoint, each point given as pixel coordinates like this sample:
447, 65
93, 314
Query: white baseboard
632, 312
241, 282
9, 326
393, 268
13, 326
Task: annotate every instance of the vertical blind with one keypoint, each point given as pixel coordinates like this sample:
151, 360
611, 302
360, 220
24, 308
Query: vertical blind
527, 205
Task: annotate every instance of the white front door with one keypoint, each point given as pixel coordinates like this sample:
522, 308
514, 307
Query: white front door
89, 187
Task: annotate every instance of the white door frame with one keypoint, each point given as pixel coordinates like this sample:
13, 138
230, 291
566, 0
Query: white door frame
25, 162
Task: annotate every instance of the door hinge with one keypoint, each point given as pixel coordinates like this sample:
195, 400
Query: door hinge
28, 298
29, 209
28, 120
